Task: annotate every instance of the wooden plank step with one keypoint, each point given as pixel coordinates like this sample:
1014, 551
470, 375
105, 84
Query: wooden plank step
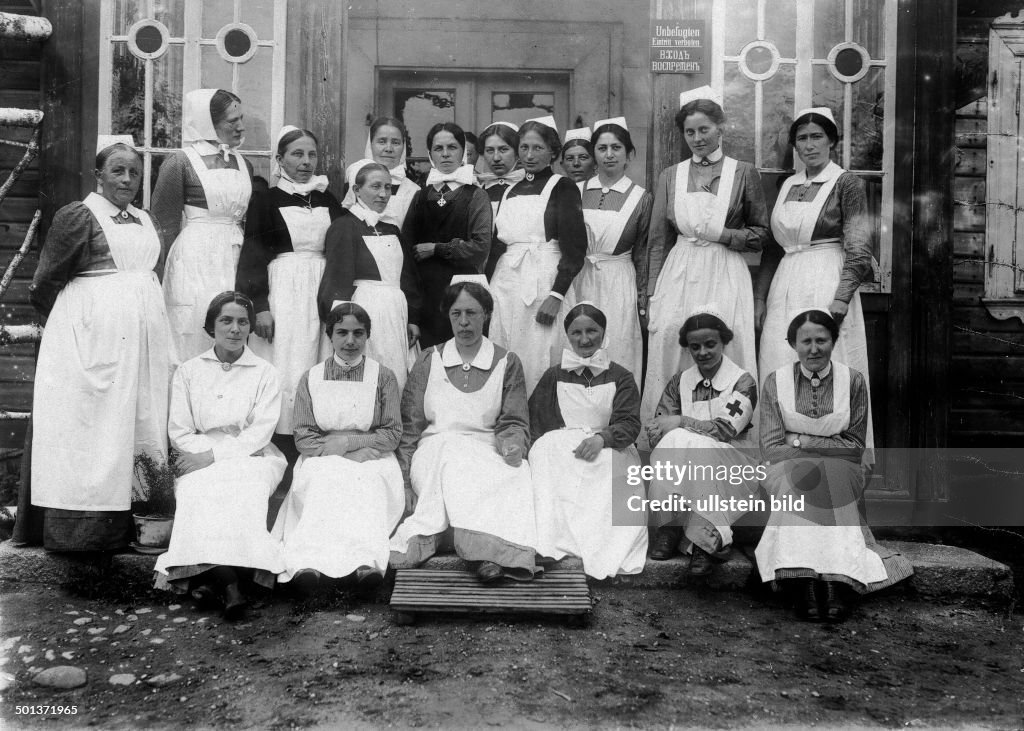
435, 591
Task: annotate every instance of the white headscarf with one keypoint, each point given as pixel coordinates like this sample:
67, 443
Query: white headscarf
285, 183
398, 171
357, 208
197, 127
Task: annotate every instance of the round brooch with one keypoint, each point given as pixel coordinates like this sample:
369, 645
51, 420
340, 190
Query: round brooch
225, 366
124, 215
706, 383
815, 382
530, 177
466, 367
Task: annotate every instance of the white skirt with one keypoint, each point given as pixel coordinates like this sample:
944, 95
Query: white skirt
804, 281
611, 285
221, 516
461, 481
200, 265
339, 515
574, 502
101, 391
299, 339
514, 325
389, 319
693, 276
682, 448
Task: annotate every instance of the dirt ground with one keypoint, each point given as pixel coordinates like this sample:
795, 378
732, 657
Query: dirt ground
650, 658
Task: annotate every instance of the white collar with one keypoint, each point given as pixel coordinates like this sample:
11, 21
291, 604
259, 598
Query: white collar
822, 374
95, 200
484, 357
727, 374
462, 175
363, 213
247, 358
205, 147
349, 366
621, 185
713, 157
830, 171
315, 182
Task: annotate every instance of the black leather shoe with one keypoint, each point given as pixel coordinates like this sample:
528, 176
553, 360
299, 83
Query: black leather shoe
234, 603
488, 572
205, 597
807, 601
836, 607
700, 562
665, 541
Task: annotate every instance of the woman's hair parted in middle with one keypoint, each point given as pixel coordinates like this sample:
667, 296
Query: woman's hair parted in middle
702, 321
338, 313
547, 134
217, 304
219, 103
474, 290
454, 129
815, 317
291, 136
365, 170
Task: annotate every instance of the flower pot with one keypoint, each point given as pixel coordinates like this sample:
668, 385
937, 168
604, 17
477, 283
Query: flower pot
153, 531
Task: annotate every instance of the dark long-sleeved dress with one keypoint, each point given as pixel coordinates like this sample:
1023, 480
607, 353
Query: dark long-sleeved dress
462, 230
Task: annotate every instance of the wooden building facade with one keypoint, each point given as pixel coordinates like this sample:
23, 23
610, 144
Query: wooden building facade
909, 80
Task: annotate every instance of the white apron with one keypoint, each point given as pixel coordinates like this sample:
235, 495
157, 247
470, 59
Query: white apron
299, 339
574, 498
698, 272
203, 259
609, 281
457, 474
339, 513
806, 279
828, 540
103, 376
385, 302
681, 446
221, 515
522, 281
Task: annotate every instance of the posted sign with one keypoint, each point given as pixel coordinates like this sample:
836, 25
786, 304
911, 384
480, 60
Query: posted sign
678, 47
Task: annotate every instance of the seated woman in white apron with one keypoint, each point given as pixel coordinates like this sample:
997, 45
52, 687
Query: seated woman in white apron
369, 263
618, 214
708, 211
209, 184
465, 433
105, 362
448, 226
225, 404
282, 262
540, 230
813, 426
499, 151
584, 418
821, 252
347, 495
704, 419
386, 144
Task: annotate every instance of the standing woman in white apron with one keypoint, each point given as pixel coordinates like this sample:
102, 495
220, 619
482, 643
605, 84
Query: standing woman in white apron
465, 433
584, 418
503, 169
618, 214
225, 404
386, 143
448, 226
348, 494
282, 262
821, 254
208, 183
540, 227
708, 211
105, 360
814, 420
369, 263
709, 406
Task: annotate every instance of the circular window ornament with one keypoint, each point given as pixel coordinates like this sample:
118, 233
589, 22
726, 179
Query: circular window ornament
148, 39
236, 42
759, 60
849, 62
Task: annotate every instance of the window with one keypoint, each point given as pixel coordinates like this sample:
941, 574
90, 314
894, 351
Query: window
1004, 221
774, 58
153, 51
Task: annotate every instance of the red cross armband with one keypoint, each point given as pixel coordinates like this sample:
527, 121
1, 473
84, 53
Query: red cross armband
737, 411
